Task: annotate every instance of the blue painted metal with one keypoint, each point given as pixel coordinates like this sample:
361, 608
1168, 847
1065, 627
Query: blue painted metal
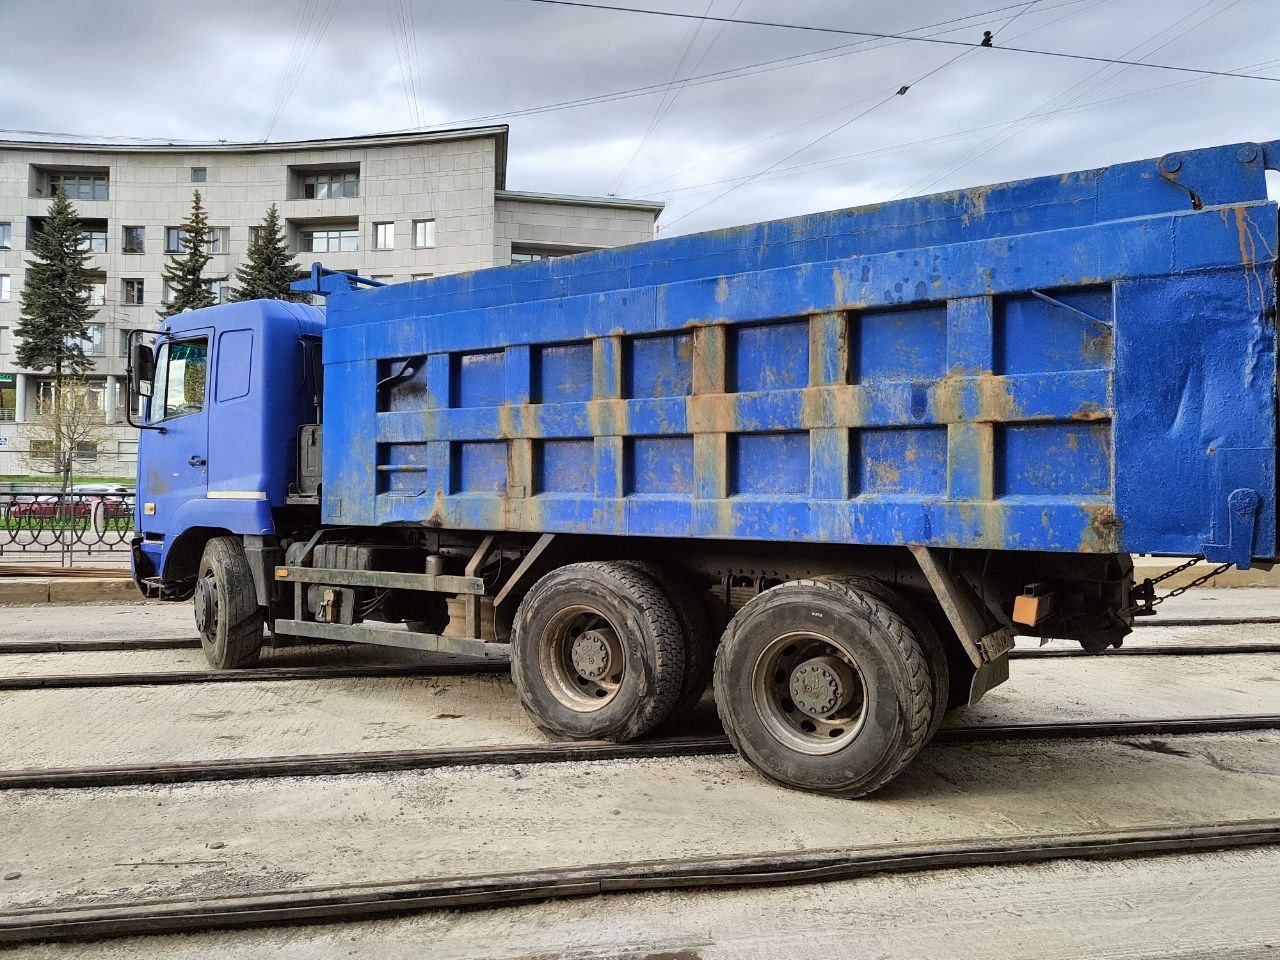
322, 281
1082, 362
253, 394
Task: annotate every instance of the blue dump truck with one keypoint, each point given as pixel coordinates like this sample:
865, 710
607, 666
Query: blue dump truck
837, 462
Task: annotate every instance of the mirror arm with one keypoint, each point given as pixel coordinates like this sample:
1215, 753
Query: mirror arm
128, 379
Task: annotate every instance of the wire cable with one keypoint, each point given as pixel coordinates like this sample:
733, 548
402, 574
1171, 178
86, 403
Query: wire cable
1061, 54
1090, 83
667, 103
900, 92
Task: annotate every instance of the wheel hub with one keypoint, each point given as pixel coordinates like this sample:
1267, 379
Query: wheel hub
206, 605
821, 686
594, 653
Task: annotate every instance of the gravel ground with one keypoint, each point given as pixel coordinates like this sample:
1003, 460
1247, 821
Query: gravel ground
91, 725
79, 846
114, 843
1166, 907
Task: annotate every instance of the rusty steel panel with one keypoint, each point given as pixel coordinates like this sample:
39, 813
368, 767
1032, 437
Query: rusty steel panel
1082, 362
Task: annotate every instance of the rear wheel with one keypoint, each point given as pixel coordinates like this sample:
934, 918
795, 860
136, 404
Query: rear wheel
822, 686
597, 652
916, 616
695, 630
226, 606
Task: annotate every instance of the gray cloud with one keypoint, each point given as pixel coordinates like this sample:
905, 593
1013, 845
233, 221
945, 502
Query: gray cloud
214, 71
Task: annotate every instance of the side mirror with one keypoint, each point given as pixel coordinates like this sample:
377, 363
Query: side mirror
142, 371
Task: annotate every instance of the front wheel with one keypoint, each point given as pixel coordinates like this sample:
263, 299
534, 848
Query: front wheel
823, 686
226, 606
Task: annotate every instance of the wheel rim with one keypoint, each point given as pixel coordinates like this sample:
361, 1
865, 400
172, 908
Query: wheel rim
583, 658
810, 691
206, 606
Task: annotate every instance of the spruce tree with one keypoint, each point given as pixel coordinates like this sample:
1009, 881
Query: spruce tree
55, 295
185, 271
269, 268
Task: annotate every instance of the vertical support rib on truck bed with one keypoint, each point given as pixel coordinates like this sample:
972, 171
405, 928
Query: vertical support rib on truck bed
1082, 364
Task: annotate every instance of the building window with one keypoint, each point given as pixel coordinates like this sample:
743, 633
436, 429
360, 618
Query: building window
134, 240
254, 233
124, 343
424, 233
86, 450
331, 184
4, 340
422, 276
98, 292
382, 277
219, 238
384, 236
89, 397
175, 240
92, 341
6, 235
167, 293
79, 186
95, 239
133, 292
221, 290
532, 254
199, 174
6, 286
330, 241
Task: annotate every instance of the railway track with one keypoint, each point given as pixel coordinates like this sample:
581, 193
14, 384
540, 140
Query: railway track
365, 900
460, 668
192, 643
365, 762
152, 678
252, 675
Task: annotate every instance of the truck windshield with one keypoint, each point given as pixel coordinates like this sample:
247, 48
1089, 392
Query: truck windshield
180, 379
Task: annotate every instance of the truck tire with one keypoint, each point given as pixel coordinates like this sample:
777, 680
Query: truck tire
695, 630
861, 681
226, 605
917, 618
597, 653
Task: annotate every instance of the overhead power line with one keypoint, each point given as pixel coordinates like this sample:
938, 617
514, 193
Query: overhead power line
1095, 81
715, 76
899, 92
988, 128
1060, 54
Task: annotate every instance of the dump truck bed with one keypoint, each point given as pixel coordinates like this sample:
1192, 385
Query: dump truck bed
1082, 362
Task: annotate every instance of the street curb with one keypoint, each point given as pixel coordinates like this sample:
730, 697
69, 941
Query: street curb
27, 591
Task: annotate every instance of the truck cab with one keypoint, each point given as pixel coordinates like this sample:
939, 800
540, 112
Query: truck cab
241, 379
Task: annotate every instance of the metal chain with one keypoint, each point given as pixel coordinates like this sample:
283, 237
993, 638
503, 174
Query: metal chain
1179, 591
1175, 571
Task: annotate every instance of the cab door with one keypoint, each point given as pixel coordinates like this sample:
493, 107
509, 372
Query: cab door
175, 458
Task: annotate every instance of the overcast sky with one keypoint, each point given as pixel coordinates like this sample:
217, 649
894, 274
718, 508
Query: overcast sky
813, 132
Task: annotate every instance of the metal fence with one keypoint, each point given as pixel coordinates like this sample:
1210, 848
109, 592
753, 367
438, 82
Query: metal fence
80, 523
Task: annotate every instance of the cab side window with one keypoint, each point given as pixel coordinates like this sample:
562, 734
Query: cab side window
180, 379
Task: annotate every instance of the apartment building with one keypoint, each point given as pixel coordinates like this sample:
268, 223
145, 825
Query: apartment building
393, 207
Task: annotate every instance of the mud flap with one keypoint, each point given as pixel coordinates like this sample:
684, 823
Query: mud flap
987, 676
988, 650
